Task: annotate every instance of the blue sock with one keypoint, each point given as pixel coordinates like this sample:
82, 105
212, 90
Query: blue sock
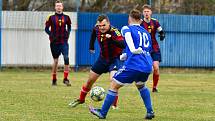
145, 94
108, 102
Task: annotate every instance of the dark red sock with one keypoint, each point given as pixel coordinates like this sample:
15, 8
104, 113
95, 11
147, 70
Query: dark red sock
83, 93
155, 80
115, 101
54, 76
66, 73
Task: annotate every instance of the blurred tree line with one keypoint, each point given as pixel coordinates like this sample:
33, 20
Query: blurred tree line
190, 7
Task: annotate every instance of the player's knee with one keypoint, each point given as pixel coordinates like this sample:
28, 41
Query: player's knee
156, 72
115, 86
55, 61
111, 79
66, 60
140, 86
156, 67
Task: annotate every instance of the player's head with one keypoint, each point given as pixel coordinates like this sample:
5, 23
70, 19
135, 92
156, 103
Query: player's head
58, 6
134, 16
103, 23
147, 11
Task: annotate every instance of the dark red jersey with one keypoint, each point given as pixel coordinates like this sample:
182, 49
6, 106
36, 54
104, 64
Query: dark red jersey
60, 28
152, 27
111, 43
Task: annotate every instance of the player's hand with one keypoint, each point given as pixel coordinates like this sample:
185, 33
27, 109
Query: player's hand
123, 57
108, 36
54, 38
68, 36
139, 50
92, 51
162, 37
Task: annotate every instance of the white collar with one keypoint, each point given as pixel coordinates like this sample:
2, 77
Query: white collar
147, 20
135, 24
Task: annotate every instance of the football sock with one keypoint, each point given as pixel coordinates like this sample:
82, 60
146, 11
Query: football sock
54, 76
145, 94
115, 101
155, 80
66, 73
83, 93
111, 95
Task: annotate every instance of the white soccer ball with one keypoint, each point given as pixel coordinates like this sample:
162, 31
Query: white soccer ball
97, 93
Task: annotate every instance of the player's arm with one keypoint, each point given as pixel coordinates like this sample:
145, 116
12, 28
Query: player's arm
119, 43
69, 25
118, 39
47, 25
92, 41
162, 35
160, 31
129, 40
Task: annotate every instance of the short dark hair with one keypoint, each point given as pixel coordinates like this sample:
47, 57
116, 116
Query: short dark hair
102, 17
136, 14
58, 1
146, 6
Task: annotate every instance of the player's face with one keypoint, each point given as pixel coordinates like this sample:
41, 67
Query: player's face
104, 26
59, 7
147, 13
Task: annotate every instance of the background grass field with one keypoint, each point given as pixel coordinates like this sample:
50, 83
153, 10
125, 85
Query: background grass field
27, 95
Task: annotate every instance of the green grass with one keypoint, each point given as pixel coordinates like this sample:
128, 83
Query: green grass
27, 95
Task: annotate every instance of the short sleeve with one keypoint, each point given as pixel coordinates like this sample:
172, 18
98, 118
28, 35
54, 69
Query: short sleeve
124, 30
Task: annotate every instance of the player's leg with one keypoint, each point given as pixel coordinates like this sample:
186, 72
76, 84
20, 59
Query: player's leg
109, 99
156, 75
156, 56
65, 52
114, 105
54, 72
122, 77
88, 85
97, 69
55, 54
113, 69
145, 94
85, 89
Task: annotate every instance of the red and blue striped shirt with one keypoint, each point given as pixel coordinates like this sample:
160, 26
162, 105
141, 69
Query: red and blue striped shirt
152, 27
60, 28
111, 43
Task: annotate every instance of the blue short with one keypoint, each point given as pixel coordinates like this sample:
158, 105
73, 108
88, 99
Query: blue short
156, 56
102, 66
127, 76
57, 49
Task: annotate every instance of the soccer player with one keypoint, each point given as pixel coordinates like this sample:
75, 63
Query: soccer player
137, 66
111, 44
152, 26
59, 34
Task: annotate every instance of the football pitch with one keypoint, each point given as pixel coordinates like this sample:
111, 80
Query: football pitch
27, 95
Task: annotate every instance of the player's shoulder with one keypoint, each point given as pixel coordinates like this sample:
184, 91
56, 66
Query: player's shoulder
125, 27
113, 28
115, 31
154, 19
66, 14
51, 14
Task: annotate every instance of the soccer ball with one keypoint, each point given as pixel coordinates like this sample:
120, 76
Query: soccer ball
97, 93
